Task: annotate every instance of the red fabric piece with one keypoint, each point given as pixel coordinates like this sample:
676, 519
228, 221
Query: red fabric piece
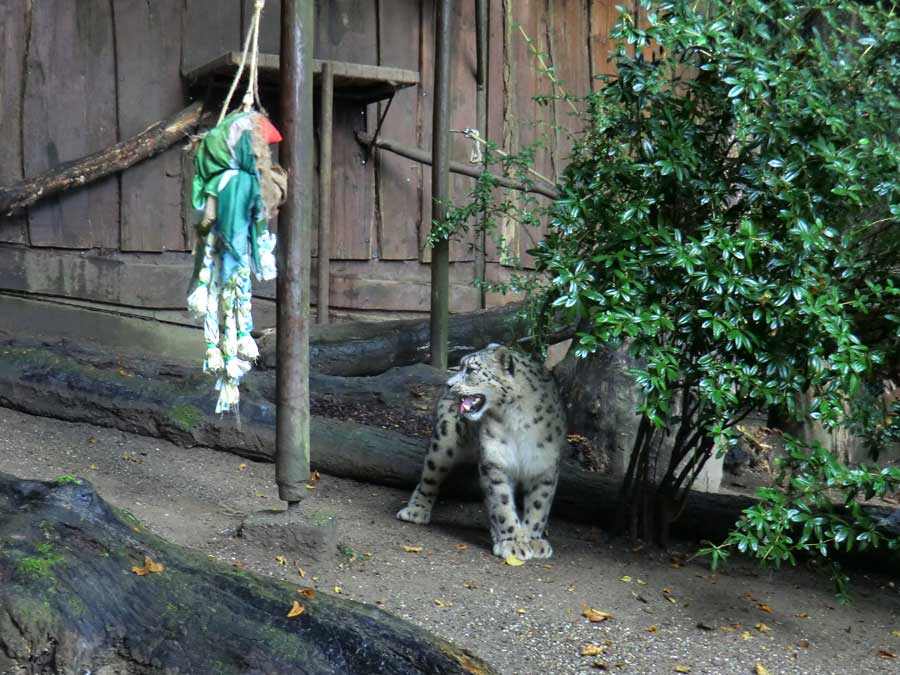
270, 133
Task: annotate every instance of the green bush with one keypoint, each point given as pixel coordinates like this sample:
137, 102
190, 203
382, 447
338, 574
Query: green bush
730, 213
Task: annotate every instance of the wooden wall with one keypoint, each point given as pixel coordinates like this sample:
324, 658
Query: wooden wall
78, 76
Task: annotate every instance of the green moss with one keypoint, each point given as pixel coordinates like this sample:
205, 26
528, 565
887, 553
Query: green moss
67, 480
185, 416
38, 568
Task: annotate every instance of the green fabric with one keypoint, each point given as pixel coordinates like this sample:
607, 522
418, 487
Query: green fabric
240, 215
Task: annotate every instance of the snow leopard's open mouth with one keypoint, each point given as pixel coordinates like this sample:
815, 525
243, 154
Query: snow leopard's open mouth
469, 405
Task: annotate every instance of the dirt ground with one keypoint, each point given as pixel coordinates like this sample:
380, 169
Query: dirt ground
666, 611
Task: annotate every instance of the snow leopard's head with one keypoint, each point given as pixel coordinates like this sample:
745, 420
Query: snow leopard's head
484, 381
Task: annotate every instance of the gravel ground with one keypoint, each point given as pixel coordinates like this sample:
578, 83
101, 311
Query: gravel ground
665, 611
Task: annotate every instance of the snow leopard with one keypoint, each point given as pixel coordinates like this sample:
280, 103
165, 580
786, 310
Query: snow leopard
502, 410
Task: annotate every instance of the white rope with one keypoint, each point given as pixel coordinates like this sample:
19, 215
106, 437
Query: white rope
252, 39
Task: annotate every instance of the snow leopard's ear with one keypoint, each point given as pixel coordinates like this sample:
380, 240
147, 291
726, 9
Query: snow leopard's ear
507, 360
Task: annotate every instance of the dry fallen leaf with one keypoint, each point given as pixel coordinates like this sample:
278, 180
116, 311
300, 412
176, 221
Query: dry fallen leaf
93, 467
296, 610
149, 567
803, 644
762, 628
242, 467
592, 650
746, 635
471, 585
310, 487
885, 654
307, 592
520, 611
300, 570
802, 615
651, 629
338, 590
681, 669
440, 603
764, 607
461, 547
513, 561
761, 669
895, 633
599, 665
412, 549
281, 560
627, 579
642, 582
594, 615
315, 476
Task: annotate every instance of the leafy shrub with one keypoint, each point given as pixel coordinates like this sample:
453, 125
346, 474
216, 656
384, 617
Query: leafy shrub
730, 213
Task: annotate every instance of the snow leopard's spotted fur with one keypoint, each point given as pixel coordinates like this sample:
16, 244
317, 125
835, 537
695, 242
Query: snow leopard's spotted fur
503, 411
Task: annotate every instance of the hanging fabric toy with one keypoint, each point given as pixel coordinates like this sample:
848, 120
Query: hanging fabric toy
238, 189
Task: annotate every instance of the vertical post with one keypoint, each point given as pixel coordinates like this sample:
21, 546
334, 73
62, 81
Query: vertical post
481, 49
292, 374
326, 122
440, 184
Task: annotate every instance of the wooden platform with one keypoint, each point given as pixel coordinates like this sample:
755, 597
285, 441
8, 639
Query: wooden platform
353, 81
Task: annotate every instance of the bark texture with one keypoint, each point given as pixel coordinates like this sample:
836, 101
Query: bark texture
70, 603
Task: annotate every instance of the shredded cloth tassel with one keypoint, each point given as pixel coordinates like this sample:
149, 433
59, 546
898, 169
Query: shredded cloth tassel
237, 189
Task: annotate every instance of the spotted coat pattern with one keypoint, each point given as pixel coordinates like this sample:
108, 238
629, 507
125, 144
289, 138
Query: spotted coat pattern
503, 411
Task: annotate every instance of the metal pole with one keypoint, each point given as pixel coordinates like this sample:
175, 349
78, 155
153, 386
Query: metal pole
440, 184
292, 374
326, 123
481, 48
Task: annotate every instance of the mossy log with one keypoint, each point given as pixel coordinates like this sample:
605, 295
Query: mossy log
372, 347
70, 603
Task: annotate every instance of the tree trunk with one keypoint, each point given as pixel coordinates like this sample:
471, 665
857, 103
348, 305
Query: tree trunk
118, 157
369, 347
70, 602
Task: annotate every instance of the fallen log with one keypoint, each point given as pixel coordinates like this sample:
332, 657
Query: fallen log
72, 602
369, 348
175, 403
150, 142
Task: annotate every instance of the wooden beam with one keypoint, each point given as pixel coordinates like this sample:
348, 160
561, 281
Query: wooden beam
292, 374
440, 183
118, 157
473, 171
326, 129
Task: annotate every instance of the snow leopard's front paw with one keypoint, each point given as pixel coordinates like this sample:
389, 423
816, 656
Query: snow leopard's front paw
413, 514
512, 547
541, 548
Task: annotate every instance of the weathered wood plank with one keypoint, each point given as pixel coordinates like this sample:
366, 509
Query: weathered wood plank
148, 55
269, 25
346, 31
13, 36
602, 19
462, 114
570, 33
211, 28
399, 180
70, 111
497, 98
424, 119
133, 280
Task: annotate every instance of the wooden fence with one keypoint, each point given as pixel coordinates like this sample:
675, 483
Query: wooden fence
78, 76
